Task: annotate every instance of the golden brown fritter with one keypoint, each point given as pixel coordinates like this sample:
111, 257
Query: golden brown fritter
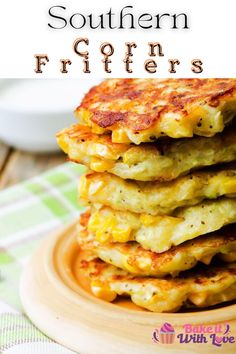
136, 260
162, 161
141, 110
160, 233
153, 197
199, 287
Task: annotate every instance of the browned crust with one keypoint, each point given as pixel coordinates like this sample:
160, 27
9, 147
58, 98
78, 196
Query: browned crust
82, 134
216, 239
145, 93
199, 275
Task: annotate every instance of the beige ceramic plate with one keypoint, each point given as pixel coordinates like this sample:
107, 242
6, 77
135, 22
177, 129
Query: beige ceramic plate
56, 297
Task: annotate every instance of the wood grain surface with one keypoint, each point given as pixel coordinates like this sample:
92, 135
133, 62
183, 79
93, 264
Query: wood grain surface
17, 166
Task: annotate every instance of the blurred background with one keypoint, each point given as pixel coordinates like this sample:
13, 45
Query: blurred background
32, 111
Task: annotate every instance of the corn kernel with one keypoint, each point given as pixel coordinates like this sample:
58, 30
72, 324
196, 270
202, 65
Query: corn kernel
83, 187
128, 266
229, 187
63, 144
230, 257
95, 187
147, 219
120, 136
102, 291
198, 112
102, 235
121, 234
144, 263
197, 298
84, 114
206, 259
94, 222
99, 165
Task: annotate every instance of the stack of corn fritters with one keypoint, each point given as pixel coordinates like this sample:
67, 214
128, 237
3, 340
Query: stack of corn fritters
161, 190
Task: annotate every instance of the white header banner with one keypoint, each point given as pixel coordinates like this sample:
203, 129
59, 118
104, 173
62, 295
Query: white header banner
168, 38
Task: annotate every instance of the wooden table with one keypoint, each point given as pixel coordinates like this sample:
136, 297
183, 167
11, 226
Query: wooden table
16, 166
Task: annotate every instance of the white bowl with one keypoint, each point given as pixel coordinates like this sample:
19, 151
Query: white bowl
32, 111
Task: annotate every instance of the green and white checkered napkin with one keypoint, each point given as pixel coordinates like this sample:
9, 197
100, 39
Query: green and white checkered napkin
28, 212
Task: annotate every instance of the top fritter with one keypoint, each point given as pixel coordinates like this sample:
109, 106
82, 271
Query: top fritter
141, 110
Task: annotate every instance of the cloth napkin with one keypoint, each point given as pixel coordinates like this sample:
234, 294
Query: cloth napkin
28, 212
